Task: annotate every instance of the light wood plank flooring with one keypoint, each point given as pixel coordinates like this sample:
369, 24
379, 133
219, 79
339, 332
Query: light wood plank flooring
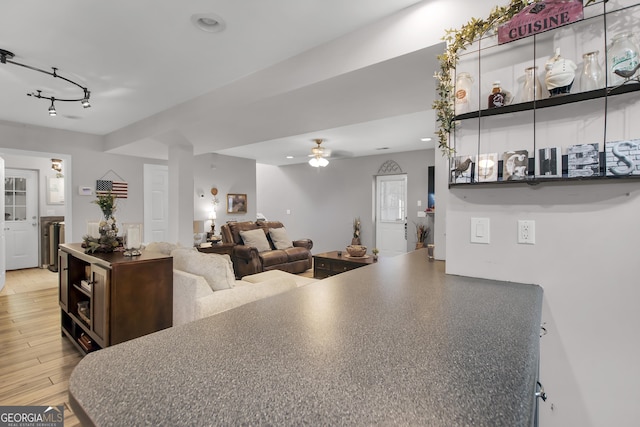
35, 360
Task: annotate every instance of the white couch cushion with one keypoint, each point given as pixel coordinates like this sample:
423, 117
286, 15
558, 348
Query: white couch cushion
161, 247
216, 269
255, 238
278, 274
280, 238
242, 294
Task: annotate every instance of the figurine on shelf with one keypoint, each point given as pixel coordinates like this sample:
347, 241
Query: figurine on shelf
560, 75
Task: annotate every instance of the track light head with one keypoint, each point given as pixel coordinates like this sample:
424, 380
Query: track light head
85, 101
52, 109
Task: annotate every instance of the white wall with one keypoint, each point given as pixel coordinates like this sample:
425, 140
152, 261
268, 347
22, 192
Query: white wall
583, 258
324, 201
228, 175
88, 163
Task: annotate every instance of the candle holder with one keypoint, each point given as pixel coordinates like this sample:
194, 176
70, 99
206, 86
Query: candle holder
132, 240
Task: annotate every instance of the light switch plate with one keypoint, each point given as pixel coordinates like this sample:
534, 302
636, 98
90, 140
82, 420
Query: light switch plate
480, 230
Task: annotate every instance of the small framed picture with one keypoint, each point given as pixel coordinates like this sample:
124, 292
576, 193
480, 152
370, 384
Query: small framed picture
236, 203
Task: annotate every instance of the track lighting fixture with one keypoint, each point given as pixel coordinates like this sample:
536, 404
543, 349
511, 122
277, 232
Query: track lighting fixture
52, 109
6, 57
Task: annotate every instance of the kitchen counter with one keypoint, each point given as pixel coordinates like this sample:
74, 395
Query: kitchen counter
396, 342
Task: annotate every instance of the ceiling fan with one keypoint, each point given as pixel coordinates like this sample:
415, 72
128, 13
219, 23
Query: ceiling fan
318, 155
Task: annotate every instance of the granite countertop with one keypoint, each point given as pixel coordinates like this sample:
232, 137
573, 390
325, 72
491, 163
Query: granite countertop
396, 342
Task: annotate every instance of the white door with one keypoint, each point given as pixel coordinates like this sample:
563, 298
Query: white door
3, 268
21, 218
391, 214
156, 203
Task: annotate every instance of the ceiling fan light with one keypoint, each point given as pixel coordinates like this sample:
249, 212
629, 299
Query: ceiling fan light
318, 162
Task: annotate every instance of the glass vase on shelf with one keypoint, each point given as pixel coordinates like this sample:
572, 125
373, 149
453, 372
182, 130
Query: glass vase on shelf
531, 88
592, 77
622, 56
462, 100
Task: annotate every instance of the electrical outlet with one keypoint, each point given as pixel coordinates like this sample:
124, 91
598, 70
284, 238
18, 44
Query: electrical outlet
526, 231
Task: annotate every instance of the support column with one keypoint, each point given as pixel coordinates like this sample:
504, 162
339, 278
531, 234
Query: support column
180, 188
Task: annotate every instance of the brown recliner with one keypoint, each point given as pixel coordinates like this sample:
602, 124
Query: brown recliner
247, 260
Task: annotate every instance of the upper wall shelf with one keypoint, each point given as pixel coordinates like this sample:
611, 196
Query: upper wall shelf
551, 102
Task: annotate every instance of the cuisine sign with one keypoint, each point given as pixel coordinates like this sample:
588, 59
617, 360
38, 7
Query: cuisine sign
539, 17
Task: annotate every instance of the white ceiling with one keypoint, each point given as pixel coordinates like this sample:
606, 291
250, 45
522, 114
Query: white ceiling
144, 60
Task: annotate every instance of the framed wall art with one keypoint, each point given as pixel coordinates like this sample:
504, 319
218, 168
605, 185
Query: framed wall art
236, 203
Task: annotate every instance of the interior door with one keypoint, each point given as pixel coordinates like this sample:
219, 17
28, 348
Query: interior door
21, 218
156, 203
3, 267
391, 214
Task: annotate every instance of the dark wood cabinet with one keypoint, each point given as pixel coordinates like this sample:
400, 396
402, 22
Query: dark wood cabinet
336, 262
106, 299
218, 248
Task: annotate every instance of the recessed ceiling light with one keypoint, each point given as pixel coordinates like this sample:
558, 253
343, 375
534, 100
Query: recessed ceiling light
209, 22
425, 139
289, 157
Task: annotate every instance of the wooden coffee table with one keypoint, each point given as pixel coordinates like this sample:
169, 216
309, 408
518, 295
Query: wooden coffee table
330, 263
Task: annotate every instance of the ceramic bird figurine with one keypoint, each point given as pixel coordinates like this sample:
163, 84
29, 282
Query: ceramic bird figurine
560, 75
627, 74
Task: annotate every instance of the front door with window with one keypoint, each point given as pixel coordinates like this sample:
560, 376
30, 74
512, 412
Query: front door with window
21, 218
391, 214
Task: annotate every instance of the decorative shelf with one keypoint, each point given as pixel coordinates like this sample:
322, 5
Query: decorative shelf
552, 102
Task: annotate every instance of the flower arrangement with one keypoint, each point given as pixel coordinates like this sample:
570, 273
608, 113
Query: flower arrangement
422, 232
107, 204
356, 227
108, 240
356, 231
456, 41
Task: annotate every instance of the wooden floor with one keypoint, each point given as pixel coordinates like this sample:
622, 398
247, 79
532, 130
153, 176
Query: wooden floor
35, 360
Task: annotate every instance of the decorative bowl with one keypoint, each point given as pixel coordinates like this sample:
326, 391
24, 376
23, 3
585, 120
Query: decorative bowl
357, 250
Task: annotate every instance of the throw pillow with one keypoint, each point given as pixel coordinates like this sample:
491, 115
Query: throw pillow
255, 238
162, 247
216, 269
280, 238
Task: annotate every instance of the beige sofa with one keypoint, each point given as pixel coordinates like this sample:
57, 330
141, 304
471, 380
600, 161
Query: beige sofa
204, 284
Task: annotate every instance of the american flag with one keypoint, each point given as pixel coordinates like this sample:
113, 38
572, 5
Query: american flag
117, 188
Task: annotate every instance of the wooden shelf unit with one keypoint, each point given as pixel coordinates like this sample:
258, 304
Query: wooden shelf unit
129, 296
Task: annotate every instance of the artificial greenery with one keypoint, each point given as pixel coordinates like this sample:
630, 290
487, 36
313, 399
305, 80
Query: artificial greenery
422, 232
458, 40
108, 240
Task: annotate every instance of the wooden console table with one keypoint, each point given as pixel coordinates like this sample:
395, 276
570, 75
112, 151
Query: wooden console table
331, 263
107, 298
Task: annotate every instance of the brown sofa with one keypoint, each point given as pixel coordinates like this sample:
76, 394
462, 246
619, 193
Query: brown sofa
247, 260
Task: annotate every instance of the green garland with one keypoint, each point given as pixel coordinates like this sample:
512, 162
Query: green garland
456, 41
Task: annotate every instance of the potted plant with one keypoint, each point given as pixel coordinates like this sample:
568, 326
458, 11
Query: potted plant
356, 231
422, 234
375, 253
